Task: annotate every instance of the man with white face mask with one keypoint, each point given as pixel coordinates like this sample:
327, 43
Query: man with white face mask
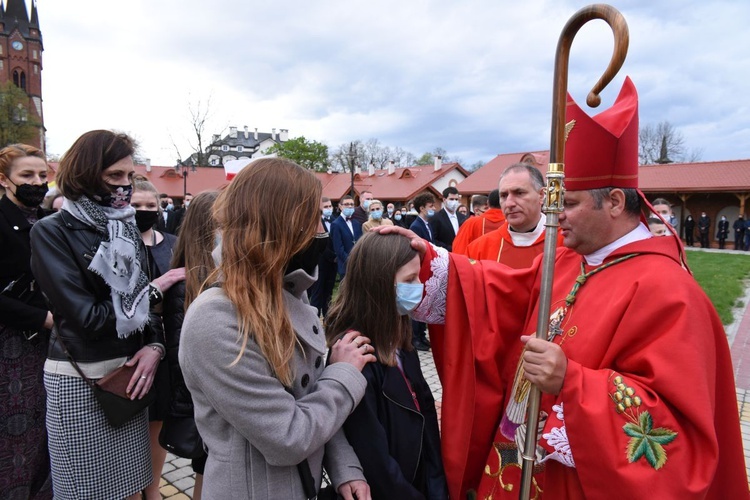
445, 223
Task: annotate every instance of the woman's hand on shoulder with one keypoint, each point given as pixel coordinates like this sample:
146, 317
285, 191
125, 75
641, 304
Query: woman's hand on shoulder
357, 489
168, 279
353, 348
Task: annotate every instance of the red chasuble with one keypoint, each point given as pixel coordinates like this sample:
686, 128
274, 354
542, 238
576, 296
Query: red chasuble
647, 408
474, 227
498, 246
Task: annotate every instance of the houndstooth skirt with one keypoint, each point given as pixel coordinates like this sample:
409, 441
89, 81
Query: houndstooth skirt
91, 459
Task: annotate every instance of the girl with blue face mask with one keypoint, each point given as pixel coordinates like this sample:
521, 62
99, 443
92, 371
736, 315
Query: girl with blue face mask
394, 429
376, 217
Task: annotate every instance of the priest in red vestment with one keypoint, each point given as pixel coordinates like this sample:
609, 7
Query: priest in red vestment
638, 396
474, 227
521, 237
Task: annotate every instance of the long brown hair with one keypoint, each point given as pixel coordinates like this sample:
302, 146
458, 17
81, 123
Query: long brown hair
366, 301
269, 212
195, 244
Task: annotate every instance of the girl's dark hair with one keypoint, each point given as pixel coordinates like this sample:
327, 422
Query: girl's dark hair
80, 170
195, 244
366, 301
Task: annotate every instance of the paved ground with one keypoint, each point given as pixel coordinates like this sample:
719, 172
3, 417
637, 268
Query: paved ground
178, 479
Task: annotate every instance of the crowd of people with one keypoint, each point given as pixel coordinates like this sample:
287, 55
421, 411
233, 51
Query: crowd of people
271, 382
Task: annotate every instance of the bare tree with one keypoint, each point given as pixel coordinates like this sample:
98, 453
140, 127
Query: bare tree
373, 152
663, 143
199, 115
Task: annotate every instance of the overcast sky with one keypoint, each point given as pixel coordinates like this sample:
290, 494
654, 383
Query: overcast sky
473, 77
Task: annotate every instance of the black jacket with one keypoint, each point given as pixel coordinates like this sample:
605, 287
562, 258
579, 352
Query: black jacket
61, 250
442, 229
22, 305
397, 445
181, 402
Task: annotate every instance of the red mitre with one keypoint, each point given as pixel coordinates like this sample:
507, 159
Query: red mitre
602, 151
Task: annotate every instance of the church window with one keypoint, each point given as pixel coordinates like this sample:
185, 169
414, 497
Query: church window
240, 148
23, 80
15, 78
36, 69
34, 54
225, 148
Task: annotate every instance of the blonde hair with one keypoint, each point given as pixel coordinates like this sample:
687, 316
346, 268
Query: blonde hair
257, 245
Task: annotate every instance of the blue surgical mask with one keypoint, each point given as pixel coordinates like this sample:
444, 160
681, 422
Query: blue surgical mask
408, 296
348, 212
390, 211
430, 213
366, 204
376, 215
397, 216
327, 212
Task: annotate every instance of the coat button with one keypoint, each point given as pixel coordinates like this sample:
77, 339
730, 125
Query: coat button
318, 362
315, 329
305, 380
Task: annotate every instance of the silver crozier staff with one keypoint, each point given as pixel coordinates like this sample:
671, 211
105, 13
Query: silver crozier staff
555, 190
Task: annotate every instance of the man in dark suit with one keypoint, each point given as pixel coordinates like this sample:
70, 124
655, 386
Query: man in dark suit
174, 222
447, 220
345, 231
424, 204
322, 290
362, 212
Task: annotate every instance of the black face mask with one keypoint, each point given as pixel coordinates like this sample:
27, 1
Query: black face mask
118, 197
145, 219
308, 258
30, 195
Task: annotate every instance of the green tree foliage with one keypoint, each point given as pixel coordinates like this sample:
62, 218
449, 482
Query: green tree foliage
312, 155
17, 124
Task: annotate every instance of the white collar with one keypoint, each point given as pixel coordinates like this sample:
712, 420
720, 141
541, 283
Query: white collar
449, 214
641, 232
528, 239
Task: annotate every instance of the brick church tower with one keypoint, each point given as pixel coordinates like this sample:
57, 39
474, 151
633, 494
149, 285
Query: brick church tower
21, 58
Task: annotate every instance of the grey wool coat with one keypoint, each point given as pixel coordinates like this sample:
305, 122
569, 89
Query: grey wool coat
255, 430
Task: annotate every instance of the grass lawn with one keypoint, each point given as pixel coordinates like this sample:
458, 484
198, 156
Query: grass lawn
722, 276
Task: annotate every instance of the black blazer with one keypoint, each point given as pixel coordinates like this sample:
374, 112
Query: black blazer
328, 255
442, 229
419, 227
174, 220
397, 444
22, 304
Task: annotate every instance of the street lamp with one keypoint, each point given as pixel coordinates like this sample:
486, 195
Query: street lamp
351, 155
184, 168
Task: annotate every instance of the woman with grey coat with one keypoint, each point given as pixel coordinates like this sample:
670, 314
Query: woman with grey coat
252, 349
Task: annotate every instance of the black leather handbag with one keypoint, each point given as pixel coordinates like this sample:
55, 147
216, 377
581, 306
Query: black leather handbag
179, 436
110, 392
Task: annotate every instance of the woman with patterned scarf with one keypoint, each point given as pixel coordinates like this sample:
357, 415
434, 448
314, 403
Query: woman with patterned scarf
89, 261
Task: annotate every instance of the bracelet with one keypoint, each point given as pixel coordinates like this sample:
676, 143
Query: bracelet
159, 348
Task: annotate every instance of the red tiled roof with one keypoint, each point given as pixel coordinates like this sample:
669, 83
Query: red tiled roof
402, 185
485, 179
710, 176
166, 180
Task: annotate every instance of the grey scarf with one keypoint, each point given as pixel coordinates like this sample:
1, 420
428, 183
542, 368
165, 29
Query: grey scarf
117, 261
